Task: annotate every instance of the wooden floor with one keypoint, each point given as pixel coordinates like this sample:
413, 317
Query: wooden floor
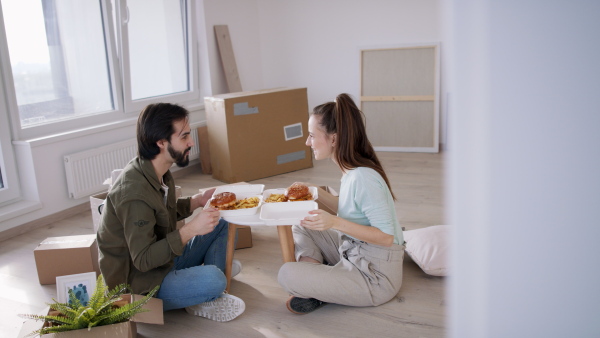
417, 311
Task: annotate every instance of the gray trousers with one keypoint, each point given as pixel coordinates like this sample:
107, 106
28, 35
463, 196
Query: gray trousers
353, 272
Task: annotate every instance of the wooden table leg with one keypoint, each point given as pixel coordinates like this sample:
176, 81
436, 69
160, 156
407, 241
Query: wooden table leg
230, 249
286, 240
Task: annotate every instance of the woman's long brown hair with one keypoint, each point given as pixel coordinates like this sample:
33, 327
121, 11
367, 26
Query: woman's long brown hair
352, 148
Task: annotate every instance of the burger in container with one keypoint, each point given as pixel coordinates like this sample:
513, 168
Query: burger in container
237, 200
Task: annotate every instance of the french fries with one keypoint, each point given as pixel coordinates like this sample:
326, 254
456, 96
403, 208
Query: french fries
276, 198
247, 203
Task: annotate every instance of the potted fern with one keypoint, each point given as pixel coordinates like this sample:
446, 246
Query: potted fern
105, 307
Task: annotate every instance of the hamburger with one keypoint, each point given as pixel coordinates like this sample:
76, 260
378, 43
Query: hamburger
223, 201
298, 192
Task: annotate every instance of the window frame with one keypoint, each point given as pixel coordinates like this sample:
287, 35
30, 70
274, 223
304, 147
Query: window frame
8, 167
10, 177
185, 98
124, 108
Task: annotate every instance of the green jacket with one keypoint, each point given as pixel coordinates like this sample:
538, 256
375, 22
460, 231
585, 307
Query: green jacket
137, 236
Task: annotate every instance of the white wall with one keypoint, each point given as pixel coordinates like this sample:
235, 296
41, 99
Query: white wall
241, 18
316, 44
523, 168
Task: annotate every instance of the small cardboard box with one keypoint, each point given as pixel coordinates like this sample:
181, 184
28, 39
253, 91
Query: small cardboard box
95, 202
67, 255
257, 134
328, 199
244, 237
121, 330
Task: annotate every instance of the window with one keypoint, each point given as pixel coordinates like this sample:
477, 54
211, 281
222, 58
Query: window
72, 64
78, 63
157, 53
49, 89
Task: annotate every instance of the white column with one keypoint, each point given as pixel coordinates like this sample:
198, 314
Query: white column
524, 168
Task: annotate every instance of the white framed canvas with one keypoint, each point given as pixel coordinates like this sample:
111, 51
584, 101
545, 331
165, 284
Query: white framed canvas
83, 284
400, 96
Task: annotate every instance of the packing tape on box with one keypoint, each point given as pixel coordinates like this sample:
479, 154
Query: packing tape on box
65, 241
243, 109
290, 157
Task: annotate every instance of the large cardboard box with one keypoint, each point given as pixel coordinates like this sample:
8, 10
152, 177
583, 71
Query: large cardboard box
67, 255
257, 134
126, 329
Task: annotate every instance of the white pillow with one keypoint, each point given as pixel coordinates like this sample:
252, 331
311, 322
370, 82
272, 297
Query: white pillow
429, 248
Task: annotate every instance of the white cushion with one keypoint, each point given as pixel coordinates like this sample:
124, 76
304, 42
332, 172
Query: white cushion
429, 248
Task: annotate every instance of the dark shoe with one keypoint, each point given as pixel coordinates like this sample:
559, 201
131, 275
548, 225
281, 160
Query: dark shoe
302, 306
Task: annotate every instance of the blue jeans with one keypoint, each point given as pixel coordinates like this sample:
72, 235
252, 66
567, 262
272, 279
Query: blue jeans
198, 275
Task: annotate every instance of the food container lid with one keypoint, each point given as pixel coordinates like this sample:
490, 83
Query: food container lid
256, 189
286, 213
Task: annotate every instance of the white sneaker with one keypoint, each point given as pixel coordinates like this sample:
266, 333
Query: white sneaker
222, 309
236, 267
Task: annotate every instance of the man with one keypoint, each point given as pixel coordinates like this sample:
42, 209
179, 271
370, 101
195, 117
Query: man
138, 240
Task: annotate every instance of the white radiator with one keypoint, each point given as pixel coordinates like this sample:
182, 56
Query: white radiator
87, 170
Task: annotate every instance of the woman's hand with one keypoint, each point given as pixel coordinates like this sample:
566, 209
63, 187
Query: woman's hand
319, 220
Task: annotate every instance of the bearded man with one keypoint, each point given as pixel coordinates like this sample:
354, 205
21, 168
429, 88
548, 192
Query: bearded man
138, 240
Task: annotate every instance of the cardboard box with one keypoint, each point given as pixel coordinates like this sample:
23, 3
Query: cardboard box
328, 199
204, 150
244, 237
257, 134
67, 255
95, 202
121, 330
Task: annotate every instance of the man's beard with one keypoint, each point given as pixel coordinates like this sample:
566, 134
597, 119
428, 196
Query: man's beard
182, 159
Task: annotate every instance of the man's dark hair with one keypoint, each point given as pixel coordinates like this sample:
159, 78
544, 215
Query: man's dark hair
155, 123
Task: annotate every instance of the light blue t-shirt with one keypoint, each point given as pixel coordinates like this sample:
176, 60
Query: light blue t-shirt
366, 199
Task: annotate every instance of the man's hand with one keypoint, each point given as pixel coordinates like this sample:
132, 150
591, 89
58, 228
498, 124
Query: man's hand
202, 224
200, 199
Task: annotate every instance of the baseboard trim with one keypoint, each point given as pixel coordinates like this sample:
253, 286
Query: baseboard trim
41, 222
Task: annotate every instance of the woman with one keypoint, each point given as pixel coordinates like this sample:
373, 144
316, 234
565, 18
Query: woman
354, 258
